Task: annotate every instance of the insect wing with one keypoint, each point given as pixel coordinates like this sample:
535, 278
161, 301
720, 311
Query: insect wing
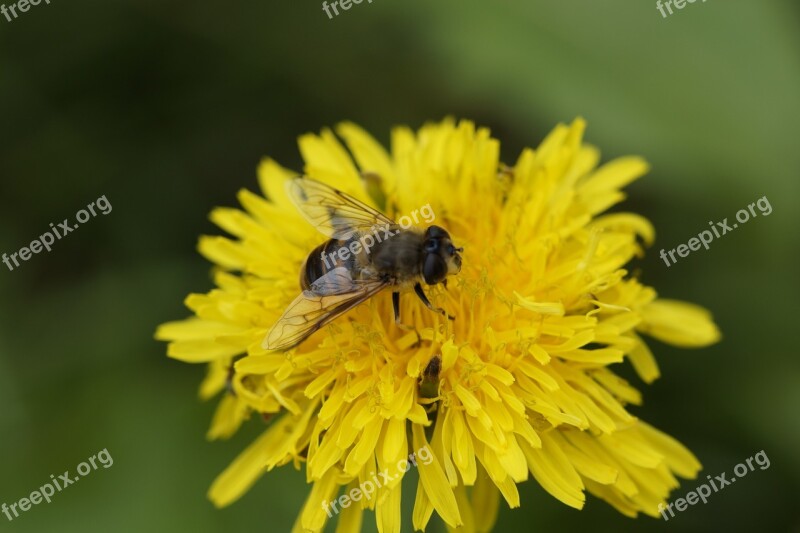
334, 213
328, 297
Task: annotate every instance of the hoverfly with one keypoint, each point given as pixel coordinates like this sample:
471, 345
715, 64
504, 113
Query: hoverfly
345, 271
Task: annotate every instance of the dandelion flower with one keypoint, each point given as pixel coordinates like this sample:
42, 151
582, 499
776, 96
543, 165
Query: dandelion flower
519, 385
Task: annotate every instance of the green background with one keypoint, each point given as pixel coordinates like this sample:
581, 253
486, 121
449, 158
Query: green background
166, 107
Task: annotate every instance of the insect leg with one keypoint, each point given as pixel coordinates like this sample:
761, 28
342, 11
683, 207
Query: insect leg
428, 304
396, 307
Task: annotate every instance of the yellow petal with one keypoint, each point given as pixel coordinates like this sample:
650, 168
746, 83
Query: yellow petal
613, 175
326, 160
368, 153
485, 503
201, 351
314, 514
435, 482
679, 323
677, 457
216, 377
350, 517
248, 467
387, 514
554, 472
627, 223
423, 509
223, 252
230, 414
194, 329
643, 361
585, 464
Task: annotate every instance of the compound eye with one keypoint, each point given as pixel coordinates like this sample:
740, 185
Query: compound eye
431, 246
434, 270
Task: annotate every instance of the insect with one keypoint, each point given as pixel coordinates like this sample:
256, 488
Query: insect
366, 253
429, 381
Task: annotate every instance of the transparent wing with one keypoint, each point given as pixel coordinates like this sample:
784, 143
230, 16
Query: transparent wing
334, 213
330, 296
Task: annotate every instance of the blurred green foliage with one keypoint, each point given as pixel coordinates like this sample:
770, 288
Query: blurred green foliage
167, 107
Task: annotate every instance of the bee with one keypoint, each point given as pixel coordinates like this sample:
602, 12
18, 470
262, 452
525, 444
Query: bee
366, 253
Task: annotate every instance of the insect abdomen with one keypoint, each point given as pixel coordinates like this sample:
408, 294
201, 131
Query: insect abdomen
322, 260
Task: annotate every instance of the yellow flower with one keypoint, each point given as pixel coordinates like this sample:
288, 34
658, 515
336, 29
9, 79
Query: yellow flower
543, 307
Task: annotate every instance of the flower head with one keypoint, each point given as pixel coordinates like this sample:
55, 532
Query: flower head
519, 385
